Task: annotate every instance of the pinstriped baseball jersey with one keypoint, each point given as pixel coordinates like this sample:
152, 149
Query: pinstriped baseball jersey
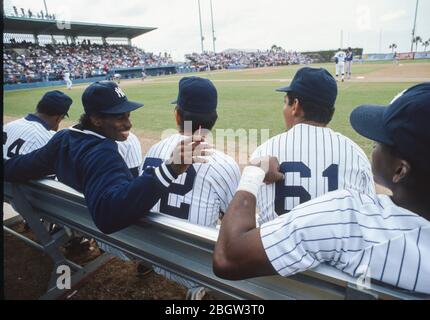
25, 135
200, 194
356, 233
131, 151
315, 160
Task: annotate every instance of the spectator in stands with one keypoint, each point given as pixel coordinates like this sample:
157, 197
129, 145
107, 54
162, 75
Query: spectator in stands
96, 59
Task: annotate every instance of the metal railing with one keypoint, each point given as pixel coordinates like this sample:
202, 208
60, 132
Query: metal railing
186, 249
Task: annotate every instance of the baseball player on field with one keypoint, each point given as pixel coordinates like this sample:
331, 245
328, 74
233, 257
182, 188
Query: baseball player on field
200, 195
66, 78
33, 131
86, 158
381, 237
340, 63
313, 158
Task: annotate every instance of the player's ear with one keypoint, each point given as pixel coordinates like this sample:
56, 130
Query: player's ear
297, 109
402, 169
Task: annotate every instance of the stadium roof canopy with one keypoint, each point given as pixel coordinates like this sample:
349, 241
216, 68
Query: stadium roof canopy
77, 29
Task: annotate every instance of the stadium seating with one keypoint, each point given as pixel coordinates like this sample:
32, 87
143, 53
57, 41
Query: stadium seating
234, 59
28, 62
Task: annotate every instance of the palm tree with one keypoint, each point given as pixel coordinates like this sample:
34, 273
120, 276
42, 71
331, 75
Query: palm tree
417, 40
426, 44
392, 46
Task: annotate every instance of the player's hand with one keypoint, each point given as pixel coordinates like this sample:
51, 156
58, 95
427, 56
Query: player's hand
270, 165
188, 151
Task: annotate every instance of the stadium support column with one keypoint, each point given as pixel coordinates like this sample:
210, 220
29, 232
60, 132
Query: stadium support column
129, 41
413, 29
104, 40
201, 30
213, 30
36, 39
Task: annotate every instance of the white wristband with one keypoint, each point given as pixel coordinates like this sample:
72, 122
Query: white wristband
251, 180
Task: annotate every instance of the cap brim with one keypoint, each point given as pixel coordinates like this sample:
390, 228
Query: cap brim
174, 101
284, 89
367, 120
126, 106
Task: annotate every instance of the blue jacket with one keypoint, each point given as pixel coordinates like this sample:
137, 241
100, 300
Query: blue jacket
91, 164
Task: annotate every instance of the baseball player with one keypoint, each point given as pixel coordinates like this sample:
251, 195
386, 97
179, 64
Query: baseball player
200, 195
33, 131
117, 77
131, 151
67, 79
380, 237
340, 64
86, 158
314, 159
348, 62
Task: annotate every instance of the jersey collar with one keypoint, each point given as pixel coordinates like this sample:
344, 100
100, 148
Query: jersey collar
32, 117
77, 129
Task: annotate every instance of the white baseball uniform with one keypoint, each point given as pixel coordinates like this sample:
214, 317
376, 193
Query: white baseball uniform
67, 79
201, 195
340, 65
364, 236
315, 160
131, 151
25, 135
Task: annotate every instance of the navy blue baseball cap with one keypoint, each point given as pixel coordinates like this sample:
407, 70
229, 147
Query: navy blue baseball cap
197, 95
403, 124
54, 103
107, 97
314, 84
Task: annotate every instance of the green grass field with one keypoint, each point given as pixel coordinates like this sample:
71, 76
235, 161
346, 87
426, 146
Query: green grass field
247, 98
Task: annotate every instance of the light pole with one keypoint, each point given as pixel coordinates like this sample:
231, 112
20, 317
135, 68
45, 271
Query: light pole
201, 30
413, 29
213, 30
46, 8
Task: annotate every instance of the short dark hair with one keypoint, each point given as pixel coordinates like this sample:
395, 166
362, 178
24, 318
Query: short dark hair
205, 120
313, 111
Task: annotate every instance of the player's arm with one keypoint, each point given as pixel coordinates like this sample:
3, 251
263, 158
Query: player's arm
114, 201
239, 252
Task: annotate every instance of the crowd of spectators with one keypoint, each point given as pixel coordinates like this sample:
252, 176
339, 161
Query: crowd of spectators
275, 56
84, 59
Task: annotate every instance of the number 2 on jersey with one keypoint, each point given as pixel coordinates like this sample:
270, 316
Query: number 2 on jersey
283, 191
183, 210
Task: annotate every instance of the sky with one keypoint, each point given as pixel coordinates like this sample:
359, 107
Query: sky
300, 25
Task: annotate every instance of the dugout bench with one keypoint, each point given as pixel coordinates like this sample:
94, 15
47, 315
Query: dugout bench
177, 246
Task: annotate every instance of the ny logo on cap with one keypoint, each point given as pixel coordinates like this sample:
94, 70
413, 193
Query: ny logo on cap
119, 92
